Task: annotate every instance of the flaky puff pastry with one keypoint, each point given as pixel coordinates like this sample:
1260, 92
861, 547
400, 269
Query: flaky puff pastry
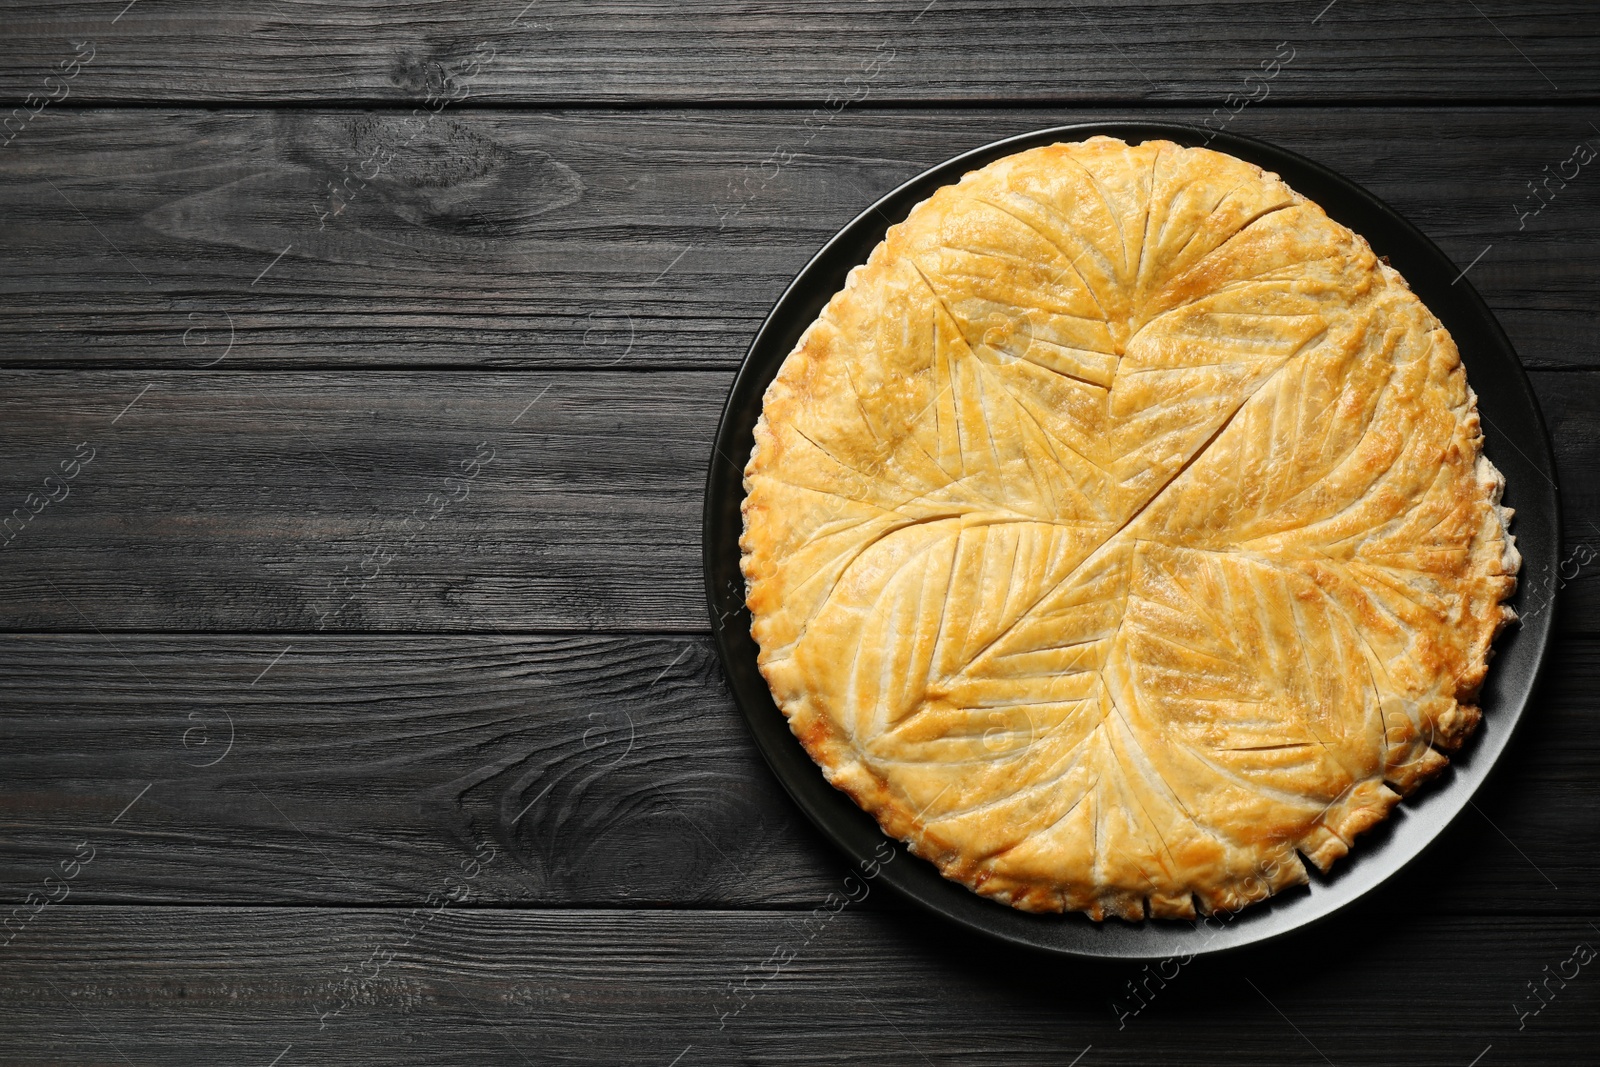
1121, 534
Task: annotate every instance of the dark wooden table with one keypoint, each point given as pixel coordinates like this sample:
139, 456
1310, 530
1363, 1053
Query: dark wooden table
359, 364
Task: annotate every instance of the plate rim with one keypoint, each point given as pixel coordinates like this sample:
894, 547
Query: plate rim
1483, 747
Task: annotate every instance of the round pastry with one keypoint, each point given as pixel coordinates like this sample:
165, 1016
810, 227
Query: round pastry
1121, 534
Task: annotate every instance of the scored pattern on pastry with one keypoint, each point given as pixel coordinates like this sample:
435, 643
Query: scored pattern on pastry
1121, 533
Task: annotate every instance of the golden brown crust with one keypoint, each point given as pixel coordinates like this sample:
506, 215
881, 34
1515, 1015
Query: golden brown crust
1121, 533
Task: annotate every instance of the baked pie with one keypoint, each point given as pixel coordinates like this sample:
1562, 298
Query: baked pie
1121, 534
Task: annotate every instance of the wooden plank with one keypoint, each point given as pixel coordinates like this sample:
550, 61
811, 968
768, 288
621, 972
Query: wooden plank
380, 501
420, 501
711, 50
199, 986
604, 771
628, 239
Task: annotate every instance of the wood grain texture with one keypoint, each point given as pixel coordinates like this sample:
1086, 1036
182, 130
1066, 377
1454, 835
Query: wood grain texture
335, 501
606, 771
245, 501
634, 239
311, 52
292, 363
202, 986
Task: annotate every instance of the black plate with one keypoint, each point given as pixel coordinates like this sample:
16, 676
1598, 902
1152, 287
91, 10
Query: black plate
1516, 443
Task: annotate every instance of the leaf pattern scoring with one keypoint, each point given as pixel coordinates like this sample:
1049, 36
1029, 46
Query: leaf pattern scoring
1120, 534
